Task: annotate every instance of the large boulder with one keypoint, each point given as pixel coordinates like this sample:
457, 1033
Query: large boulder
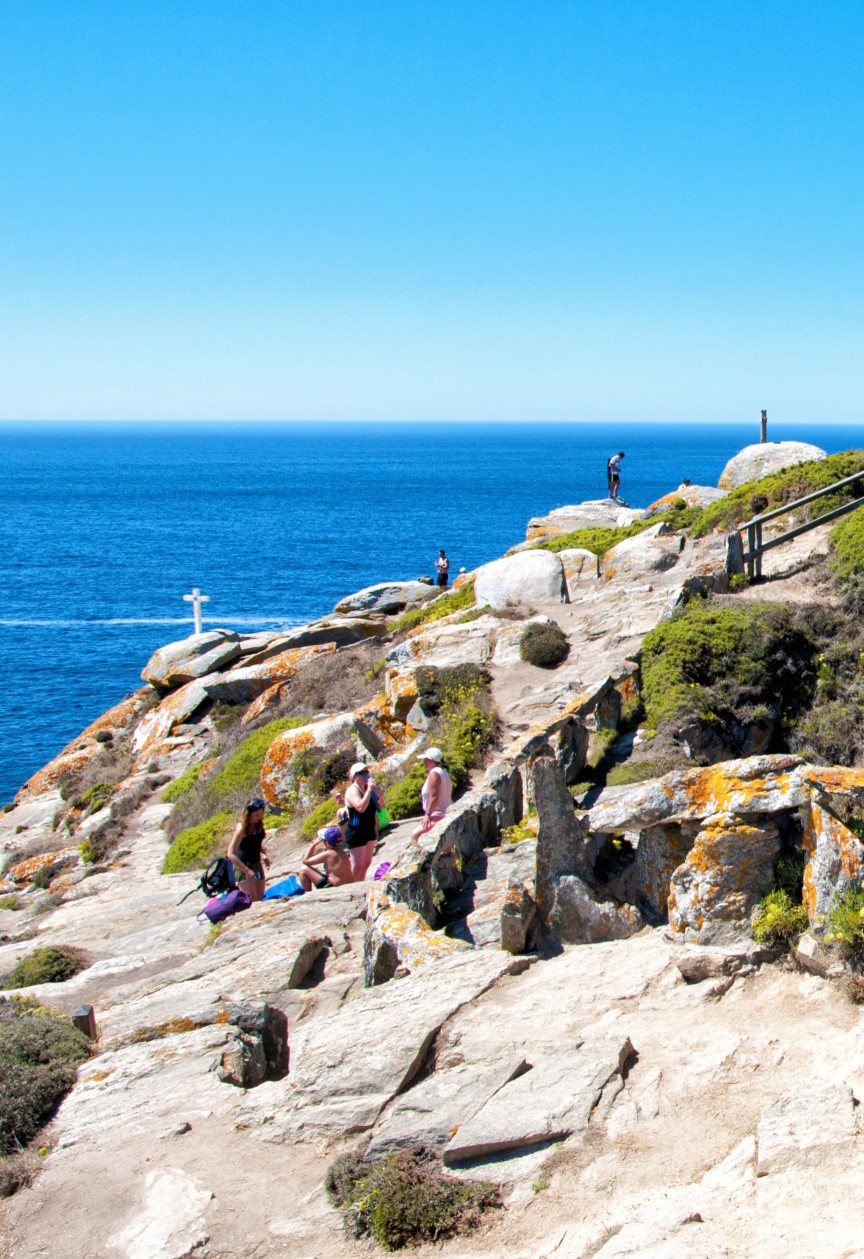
445, 645
728, 869
385, 598
835, 859
279, 778
532, 577
190, 658
763, 458
649, 552
599, 512
691, 495
174, 710
239, 686
579, 566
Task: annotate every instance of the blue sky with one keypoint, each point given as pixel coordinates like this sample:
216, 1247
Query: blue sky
433, 210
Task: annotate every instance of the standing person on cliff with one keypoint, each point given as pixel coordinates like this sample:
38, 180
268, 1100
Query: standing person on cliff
437, 793
613, 474
362, 830
246, 851
442, 564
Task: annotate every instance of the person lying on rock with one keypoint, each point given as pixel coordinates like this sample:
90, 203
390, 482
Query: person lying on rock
362, 830
437, 793
326, 863
246, 851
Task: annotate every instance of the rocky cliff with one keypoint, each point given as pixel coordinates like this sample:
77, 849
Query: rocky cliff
557, 988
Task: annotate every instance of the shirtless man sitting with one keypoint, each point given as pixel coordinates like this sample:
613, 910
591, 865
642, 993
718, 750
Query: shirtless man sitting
326, 863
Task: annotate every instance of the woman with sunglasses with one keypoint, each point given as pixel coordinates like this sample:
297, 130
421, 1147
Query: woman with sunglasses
362, 830
246, 850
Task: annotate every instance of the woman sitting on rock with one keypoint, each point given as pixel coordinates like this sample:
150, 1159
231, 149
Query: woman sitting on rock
326, 863
246, 850
362, 830
437, 793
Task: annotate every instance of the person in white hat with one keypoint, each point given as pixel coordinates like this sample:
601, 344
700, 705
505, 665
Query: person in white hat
437, 793
362, 829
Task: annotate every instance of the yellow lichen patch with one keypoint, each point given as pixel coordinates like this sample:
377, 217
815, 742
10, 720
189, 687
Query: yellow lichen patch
280, 754
78, 754
539, 531
23, 871
835, 779
268, 699
463, 579
172, 711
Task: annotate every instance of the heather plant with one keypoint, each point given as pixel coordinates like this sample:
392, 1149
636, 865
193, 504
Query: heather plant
406, 1198
51, 964
39, 1054
778, 919
543, 645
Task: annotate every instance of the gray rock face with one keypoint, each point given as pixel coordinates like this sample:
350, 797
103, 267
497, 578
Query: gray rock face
385, 598
599, 512
836, 859
807, 1129
530, 578
648, 552
577, 917
179, 662
763, 458
561, 847
548, 1103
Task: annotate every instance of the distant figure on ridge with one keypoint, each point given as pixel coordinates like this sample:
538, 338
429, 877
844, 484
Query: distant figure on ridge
437, 793
246, 850
613, 474
443, 566
326, 863
362, 829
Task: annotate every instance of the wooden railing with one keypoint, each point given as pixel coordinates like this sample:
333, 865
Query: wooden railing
756, 548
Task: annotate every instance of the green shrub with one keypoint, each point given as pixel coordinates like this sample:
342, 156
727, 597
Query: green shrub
778, 918
51, 964
403, 799
187, 780
545, 646
601, 742
846, 541
406, 1198
596, 538
94, 798
640, 771
845, 926
435, 609
321, 815
10, 901
782, 487
720, 665
242, 770
196, 846
39, 1054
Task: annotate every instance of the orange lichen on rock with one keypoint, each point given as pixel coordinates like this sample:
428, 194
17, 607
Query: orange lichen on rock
271, 698
729, 867
81, 751
172, 711
23, 872
835, 858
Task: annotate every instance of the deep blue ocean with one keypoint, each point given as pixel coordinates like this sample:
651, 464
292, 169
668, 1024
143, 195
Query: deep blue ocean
103, 528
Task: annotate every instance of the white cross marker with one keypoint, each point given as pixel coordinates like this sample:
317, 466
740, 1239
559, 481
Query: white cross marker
196, 599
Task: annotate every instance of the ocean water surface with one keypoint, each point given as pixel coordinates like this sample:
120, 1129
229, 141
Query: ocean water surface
103, 528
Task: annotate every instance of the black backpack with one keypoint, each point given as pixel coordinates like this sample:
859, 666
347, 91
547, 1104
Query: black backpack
215, 880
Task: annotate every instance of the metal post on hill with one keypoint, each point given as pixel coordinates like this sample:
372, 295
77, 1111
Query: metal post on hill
196, 599
764, 436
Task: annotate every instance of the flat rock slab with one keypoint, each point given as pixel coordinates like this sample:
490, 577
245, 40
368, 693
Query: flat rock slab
548, 1103
345, 1069
809, 1128
433, 1109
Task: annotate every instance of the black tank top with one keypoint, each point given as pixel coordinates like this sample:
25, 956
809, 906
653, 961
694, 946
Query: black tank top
249, 848
362, 825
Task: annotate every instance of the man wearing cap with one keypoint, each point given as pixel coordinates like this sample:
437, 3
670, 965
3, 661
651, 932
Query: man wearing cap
326, 862
437, 793
362, 830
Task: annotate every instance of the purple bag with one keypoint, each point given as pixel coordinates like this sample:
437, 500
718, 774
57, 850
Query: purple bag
222, 907
382, 870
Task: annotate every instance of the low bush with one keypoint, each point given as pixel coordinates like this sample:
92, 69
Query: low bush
778, 919
454, 601
39, 1053
596, 538
406, 1198
543, 645
51, 964
723, 666
640, 771
10, 901
321, 815
177, 790
197, 845
94, 798
845, 925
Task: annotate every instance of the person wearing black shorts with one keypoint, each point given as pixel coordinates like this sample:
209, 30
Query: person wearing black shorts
362, 829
